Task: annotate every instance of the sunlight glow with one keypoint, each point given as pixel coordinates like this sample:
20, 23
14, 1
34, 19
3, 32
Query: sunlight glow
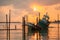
37, 7
35, 36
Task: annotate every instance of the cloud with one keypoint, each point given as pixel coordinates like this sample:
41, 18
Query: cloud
16, 3
15, 13
48, 2
25, 3
5, 2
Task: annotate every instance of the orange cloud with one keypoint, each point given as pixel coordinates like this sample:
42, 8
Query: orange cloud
5, 9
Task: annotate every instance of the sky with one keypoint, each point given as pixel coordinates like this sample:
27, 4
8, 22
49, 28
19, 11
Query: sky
19, 8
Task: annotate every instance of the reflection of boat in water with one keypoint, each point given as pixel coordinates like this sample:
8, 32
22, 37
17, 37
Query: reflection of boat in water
44, 24
41, 27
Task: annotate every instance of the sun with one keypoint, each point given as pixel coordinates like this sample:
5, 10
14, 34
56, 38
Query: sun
37, 7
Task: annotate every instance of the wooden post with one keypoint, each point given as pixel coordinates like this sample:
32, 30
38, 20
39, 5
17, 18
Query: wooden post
27, 26
9, 22
7, 26
15, 27
23, 29
38, 34
58, 26
39, 16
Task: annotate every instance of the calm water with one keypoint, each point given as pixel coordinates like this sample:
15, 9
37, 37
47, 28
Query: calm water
17, 34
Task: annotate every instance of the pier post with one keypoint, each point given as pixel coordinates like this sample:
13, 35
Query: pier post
23, 28
7, 25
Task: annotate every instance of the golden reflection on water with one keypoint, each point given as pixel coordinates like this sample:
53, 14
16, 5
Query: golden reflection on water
17, 35
52, 33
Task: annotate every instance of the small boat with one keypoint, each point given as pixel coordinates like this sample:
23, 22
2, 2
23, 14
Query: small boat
41, 26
